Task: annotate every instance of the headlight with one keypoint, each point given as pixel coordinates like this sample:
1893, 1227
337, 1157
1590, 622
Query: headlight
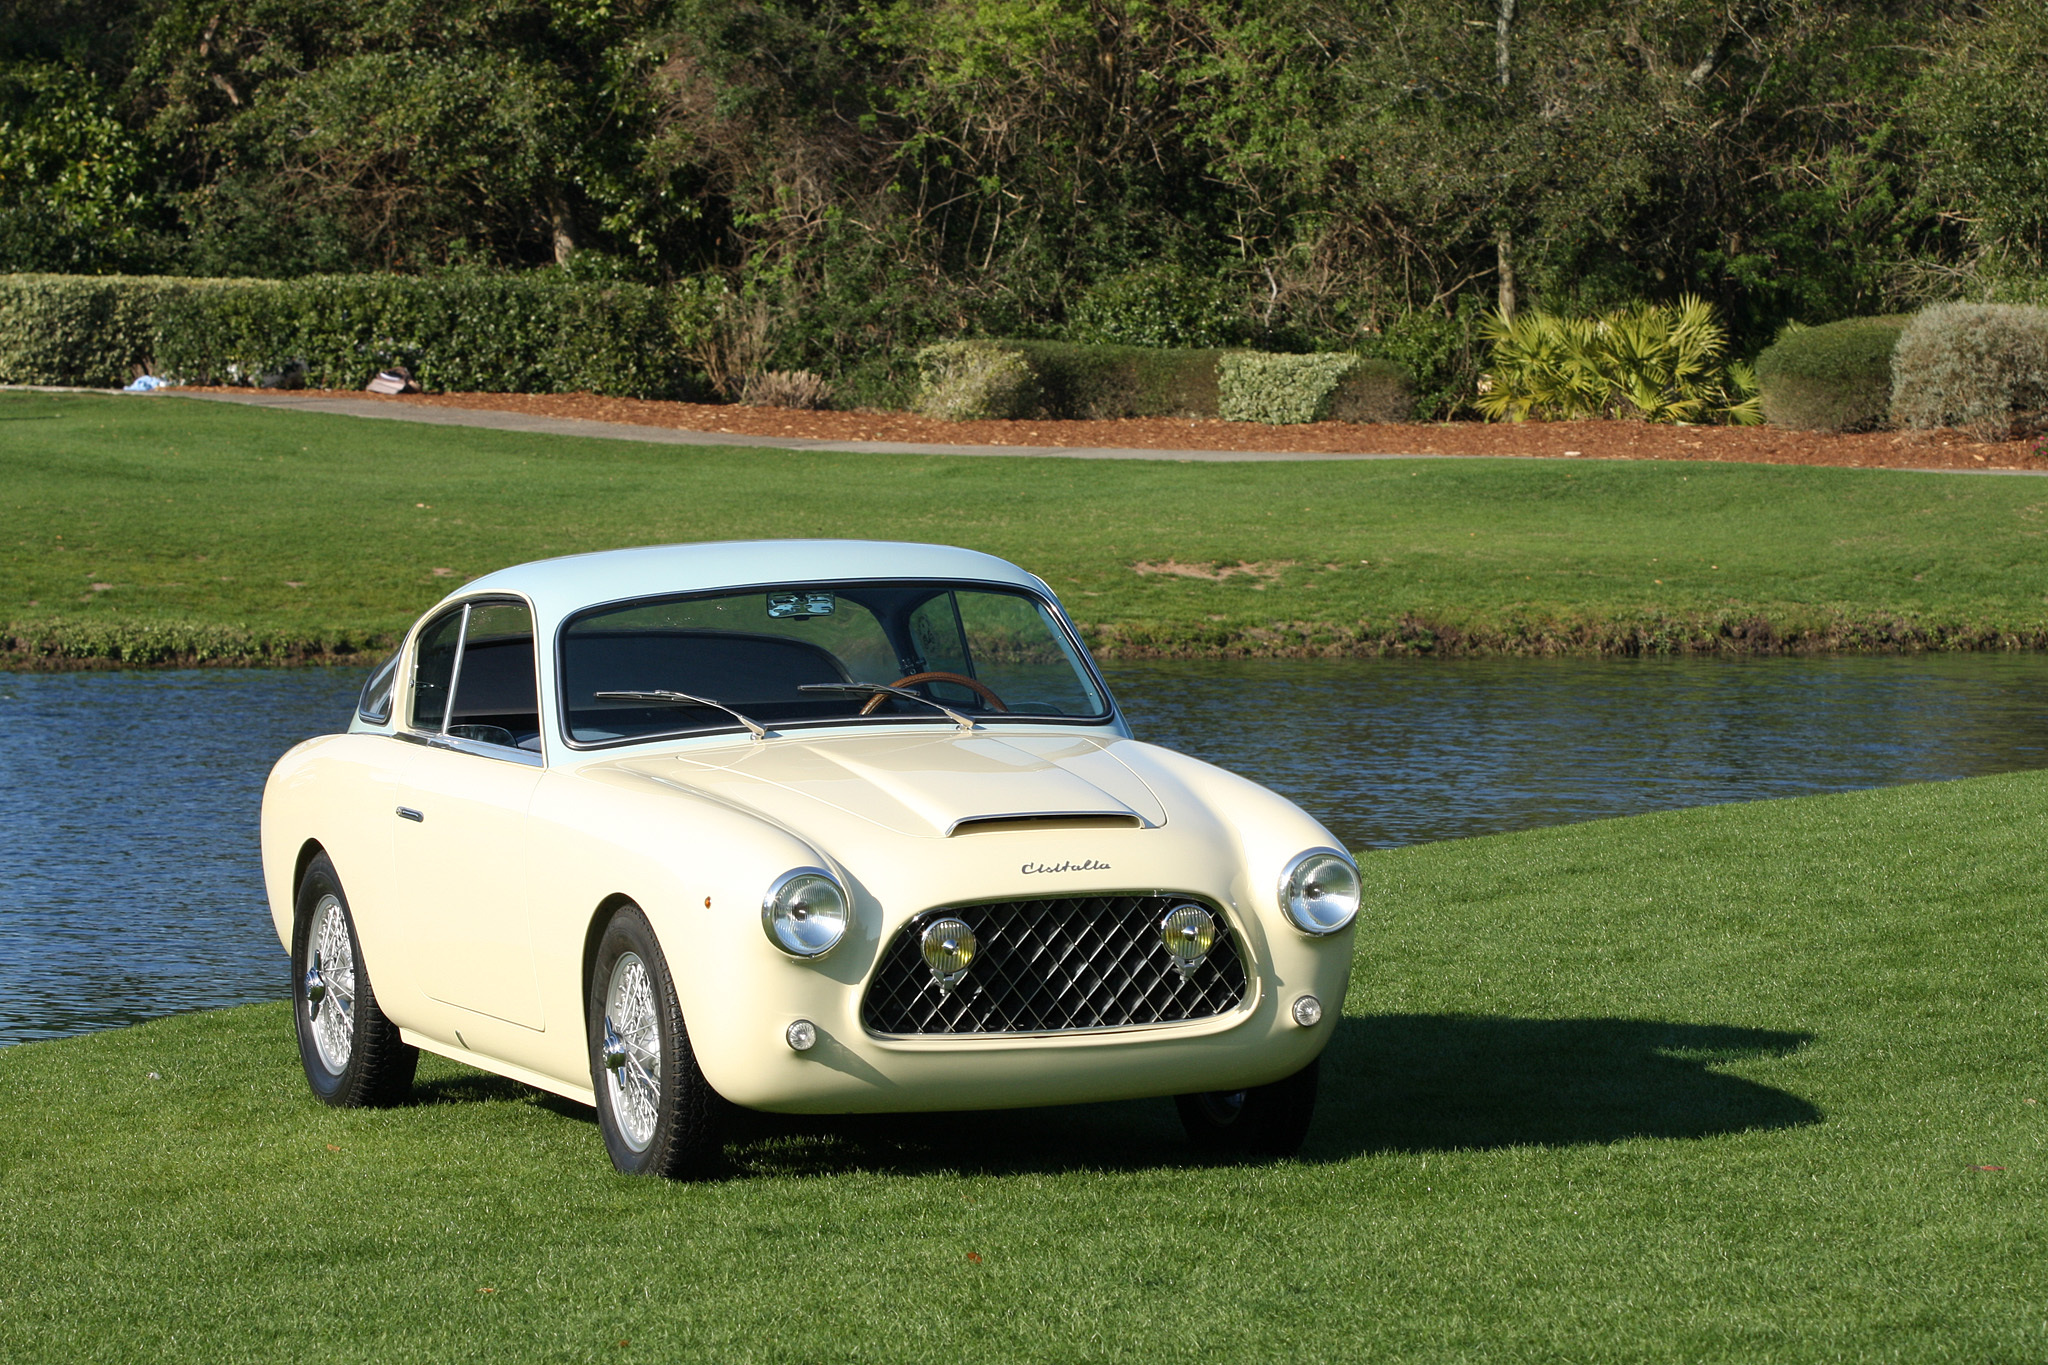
1319, 891
804, 912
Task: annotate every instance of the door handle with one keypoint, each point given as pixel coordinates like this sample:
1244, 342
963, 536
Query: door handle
408, 813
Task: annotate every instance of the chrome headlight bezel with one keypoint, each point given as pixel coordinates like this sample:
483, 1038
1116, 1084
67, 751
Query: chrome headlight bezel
796, 928
1296, 905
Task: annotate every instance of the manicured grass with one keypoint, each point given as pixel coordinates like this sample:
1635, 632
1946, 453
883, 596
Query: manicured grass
1721, 1084
338, 529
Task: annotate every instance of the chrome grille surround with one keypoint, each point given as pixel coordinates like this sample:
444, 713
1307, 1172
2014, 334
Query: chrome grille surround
1055, 965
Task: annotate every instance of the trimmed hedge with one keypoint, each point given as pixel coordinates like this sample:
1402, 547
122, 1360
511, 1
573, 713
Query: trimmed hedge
977, 380
1098, 383
80, 329
498, 333
1837, 377
1286, 389
1979, 366
968, 381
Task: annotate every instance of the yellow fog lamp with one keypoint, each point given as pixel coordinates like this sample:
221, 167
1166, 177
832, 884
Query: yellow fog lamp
1189, 932
949, 947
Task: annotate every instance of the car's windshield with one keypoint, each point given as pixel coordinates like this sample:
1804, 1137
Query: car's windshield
774, 654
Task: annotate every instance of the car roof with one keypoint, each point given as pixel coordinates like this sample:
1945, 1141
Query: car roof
559, 587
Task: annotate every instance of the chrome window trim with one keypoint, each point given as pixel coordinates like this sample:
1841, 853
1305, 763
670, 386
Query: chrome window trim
455, 744
390, 693
455, 674
441, 739
1111, 714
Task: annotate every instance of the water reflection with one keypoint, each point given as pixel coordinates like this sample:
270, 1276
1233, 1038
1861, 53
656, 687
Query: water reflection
1390, 752
129, 881
129, 884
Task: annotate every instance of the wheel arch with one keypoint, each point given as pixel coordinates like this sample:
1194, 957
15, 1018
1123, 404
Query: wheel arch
308, 851
593, 932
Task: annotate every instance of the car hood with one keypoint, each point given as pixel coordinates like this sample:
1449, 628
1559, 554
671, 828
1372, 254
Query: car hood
933, 786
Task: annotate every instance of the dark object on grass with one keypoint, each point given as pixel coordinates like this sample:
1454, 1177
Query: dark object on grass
1266, 1120
397, 379
292, 376
1832, 378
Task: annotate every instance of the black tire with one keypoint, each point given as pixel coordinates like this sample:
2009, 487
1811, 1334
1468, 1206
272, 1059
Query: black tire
658, 1114
362, 1062
1266, 1120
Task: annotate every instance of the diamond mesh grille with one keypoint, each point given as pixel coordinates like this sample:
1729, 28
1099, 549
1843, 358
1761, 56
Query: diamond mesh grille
1047, 965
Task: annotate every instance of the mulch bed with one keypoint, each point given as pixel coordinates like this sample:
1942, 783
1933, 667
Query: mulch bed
1576, 440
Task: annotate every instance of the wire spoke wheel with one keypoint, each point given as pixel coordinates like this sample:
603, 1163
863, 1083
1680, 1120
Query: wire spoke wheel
330, 985
657, 1113
351, 1051
632, 1051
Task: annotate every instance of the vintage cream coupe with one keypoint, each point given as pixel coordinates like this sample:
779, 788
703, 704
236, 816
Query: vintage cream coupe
805, 826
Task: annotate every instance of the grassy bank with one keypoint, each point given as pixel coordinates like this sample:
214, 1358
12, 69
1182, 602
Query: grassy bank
168, 530
1744, 1083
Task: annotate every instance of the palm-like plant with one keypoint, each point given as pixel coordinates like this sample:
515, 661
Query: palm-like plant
1653, 362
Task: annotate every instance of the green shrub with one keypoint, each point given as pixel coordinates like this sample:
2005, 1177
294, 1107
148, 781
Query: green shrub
1653, 363
1160, 306
534, 333
1441, 351
87, 330
1100, 383
127, 643
1979, 366
975, 381
1832, 378
1282, 389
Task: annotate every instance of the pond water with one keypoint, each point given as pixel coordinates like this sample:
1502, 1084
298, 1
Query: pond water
129, 885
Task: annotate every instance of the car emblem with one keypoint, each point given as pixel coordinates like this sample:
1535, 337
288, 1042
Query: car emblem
1090, 865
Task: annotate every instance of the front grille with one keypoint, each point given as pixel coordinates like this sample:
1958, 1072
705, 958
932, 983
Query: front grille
1047, 965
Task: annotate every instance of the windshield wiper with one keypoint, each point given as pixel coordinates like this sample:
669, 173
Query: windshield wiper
884, 690
683, 699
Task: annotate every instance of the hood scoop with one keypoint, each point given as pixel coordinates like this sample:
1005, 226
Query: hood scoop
1039, 824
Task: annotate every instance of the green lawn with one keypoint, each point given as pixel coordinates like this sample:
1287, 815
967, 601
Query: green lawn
1715, 1085
293, 525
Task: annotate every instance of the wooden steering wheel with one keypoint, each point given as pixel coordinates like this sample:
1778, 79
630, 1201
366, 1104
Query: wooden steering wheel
979, 689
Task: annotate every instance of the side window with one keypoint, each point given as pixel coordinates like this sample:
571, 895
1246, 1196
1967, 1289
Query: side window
497, 699
433, 670
375, 704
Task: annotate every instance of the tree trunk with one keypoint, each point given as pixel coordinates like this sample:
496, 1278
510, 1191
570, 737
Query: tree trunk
1504, 257
1504, 19
561, 226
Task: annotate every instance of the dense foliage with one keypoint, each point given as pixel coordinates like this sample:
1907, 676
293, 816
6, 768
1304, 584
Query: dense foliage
457, 330
867, 175
1647, 363
1836, 377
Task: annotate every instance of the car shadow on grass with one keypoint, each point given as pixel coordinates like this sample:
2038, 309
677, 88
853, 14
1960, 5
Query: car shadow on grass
1436, 1082
1390, 1083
